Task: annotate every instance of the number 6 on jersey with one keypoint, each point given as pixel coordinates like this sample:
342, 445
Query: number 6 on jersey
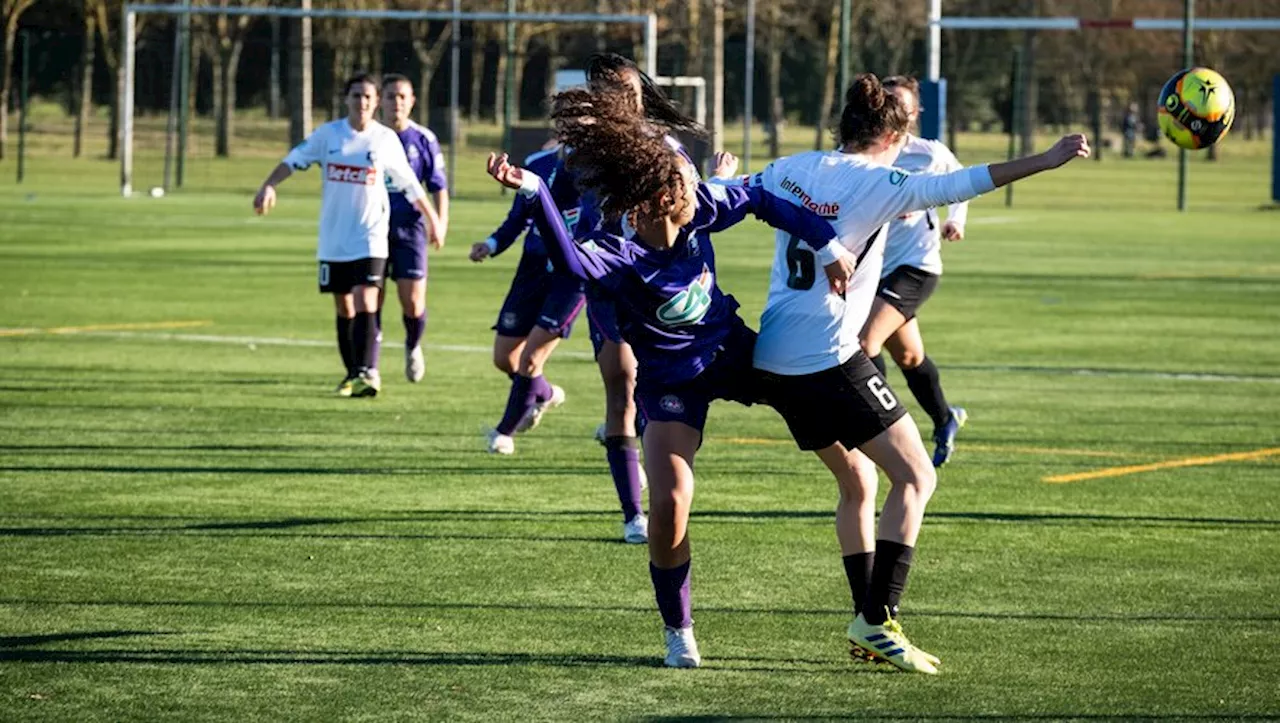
882, 393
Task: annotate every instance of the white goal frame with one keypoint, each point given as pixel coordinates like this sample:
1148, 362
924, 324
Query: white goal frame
128, 40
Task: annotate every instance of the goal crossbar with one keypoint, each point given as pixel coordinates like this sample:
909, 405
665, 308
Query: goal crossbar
128, 41
955, 22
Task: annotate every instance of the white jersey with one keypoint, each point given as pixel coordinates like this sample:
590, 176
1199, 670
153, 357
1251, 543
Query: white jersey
917, 239
805, 328
355, 211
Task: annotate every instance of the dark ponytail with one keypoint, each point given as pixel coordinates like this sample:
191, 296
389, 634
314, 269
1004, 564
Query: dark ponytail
870, 111
658, 108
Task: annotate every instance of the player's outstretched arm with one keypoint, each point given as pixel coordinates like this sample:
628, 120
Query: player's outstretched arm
565, 254
265, 200
1067, 149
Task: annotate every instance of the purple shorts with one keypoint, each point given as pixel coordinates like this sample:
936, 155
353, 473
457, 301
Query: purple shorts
540, 297
730, 376
602, 319
407, 252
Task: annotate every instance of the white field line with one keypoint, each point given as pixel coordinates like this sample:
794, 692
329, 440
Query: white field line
255, 341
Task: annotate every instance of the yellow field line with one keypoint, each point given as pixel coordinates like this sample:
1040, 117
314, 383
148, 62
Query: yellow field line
764, 441
137, 326
1168, 464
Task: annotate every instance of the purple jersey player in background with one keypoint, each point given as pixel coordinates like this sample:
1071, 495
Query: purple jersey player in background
410, 230
653, 253
539, 309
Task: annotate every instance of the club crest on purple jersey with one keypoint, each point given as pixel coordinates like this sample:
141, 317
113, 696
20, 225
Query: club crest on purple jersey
690, 305
672, 404
509, 319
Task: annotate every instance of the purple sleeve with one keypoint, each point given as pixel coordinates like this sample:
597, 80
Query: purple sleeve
516, 223
595, 264
435, 179
732, 203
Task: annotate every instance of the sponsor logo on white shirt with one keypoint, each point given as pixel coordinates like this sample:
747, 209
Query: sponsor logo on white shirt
359, 175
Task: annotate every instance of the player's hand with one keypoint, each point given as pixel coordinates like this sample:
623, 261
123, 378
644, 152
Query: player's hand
952, 231
265, 200
840, 273
479, 252
726, 165
503, 172
1068, 148
435, 237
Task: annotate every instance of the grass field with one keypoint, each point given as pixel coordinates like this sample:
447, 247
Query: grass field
191, 528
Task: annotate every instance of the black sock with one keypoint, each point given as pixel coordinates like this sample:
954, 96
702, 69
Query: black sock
878, 360
364, 338
342, 326
926, 385
857, 567
888, 580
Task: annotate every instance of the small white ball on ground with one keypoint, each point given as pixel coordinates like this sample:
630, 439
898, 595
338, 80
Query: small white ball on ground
157, 192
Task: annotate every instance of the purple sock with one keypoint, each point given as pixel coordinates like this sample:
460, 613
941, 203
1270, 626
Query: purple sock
623, 454
671, 588
414, 328
519, 400
541, 388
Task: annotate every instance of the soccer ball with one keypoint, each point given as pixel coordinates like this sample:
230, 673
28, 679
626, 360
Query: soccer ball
1196, 108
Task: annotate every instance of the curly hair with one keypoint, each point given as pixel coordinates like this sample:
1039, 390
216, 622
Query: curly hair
616, 153
658, 108
870, 111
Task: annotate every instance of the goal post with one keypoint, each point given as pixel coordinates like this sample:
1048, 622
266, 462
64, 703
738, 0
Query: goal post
128, 47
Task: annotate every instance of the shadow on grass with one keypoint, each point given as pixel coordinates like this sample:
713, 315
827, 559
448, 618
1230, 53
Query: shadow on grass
22, 641
413, 658
940, 718
279, 527
835, 612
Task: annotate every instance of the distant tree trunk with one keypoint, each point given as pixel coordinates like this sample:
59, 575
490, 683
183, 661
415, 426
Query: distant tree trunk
228, 64
520, 59
113, 127
273, 83
84, 89
500, 84
602, 8
717, 75
1028, 130
429, 55
825, 109
478, 42
555, 61
300, 78
693, 45
340, 68
12, 11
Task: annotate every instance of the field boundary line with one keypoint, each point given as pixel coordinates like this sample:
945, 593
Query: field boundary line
1167, 464
134, 326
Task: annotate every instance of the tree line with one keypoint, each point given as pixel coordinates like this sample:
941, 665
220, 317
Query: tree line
240, 62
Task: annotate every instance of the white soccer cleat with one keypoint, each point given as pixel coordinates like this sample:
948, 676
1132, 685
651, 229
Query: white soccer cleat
499, 443
534, 417
415, 364
682, 649
636, 532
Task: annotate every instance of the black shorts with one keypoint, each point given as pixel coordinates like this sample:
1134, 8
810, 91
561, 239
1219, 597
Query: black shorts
850, 404
340, 277
906, 288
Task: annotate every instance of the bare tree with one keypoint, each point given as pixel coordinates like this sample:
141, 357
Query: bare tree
84, 83
825, 107
10, 12
226, 41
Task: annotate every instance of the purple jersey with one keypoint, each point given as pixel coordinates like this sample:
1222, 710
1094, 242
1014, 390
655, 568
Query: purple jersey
423, 150
547, 164
670, 308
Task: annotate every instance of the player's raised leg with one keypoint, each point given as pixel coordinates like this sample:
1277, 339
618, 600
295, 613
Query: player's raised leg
906, 346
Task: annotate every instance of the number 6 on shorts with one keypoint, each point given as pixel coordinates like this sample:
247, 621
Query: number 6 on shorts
882, 393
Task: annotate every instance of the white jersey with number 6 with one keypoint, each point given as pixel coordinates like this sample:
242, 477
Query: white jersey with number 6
805, 328
916, 240
355, 211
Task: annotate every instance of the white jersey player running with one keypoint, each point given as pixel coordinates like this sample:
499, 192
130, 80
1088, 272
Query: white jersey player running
812, 364
912, 268
358, 155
